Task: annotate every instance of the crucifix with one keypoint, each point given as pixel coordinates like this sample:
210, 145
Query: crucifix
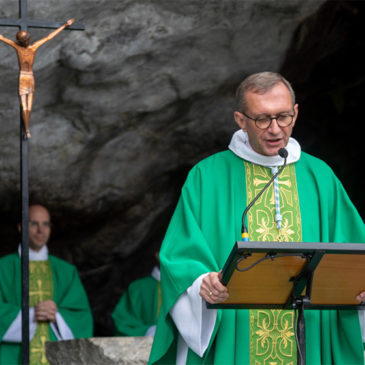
26, 88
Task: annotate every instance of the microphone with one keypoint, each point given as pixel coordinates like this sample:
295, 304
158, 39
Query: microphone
282, 153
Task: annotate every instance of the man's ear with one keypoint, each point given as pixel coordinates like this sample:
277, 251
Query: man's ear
296, 111
19, 227
240, 120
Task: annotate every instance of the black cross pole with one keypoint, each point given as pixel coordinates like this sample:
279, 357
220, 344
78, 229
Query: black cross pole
23, 23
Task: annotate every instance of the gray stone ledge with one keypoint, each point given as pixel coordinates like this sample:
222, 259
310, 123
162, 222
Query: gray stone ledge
100, 350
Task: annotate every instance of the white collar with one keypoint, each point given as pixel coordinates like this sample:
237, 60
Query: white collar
241, 147
156, 273
41, 255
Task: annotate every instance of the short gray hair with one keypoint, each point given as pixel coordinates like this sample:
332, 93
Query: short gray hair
260, 83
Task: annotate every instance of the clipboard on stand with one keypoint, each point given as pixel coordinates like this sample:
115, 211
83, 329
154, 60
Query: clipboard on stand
294, 275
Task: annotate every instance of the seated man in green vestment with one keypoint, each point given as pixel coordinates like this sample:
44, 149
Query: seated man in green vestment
137, 311
306, 203
59, 307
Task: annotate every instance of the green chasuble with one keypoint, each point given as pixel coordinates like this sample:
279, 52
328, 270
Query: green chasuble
202, 232
138, 308
68, 294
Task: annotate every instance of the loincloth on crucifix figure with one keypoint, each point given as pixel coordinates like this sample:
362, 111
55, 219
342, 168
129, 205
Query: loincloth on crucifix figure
26, 83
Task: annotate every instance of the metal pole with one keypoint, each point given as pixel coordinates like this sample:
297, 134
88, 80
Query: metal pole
23, 11
23, 5
24, 244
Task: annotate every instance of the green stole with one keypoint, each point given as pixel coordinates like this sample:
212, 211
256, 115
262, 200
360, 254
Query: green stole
272, 337
40, 289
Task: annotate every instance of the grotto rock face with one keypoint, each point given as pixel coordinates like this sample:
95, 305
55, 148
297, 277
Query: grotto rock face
121, 112
96, 351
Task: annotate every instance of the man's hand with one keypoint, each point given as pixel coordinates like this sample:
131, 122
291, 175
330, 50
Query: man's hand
361, 297
212, 290
45, 311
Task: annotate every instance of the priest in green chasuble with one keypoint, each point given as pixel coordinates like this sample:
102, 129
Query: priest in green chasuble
137, 310
306, 203
58, 305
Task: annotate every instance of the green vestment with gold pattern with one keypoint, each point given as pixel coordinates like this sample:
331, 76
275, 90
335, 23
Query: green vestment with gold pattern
272, 336
52, 279
40, 289
206, 224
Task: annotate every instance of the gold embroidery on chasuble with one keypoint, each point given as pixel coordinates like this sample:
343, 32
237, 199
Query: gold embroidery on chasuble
40, 289
272, 336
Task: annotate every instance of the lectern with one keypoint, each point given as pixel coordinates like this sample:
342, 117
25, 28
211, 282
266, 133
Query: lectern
294, 275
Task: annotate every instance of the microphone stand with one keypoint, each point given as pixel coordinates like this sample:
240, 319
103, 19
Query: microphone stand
245, 237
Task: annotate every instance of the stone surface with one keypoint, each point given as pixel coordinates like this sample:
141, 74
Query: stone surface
124, 109
97, 351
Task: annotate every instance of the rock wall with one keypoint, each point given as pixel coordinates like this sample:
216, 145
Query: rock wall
125, 108
96, 351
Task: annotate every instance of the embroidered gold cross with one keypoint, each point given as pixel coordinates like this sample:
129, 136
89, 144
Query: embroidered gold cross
41, 350
257, 182
42, 293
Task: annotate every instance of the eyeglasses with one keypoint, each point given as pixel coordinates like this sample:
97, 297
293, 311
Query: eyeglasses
264, 121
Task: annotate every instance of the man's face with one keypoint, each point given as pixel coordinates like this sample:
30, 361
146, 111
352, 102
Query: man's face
275, 101
39, 227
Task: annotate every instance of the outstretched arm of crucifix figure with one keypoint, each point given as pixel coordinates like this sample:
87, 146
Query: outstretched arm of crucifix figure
39, 43
51, 35
8, 41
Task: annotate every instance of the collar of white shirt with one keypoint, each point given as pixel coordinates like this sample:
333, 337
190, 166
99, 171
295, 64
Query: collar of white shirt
241, 147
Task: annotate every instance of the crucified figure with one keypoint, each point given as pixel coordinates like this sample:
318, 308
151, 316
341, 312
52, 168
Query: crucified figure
26, 53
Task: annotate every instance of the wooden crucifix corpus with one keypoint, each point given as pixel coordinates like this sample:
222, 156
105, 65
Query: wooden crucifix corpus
26, 53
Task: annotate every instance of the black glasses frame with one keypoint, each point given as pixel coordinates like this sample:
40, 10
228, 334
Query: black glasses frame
271, 118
